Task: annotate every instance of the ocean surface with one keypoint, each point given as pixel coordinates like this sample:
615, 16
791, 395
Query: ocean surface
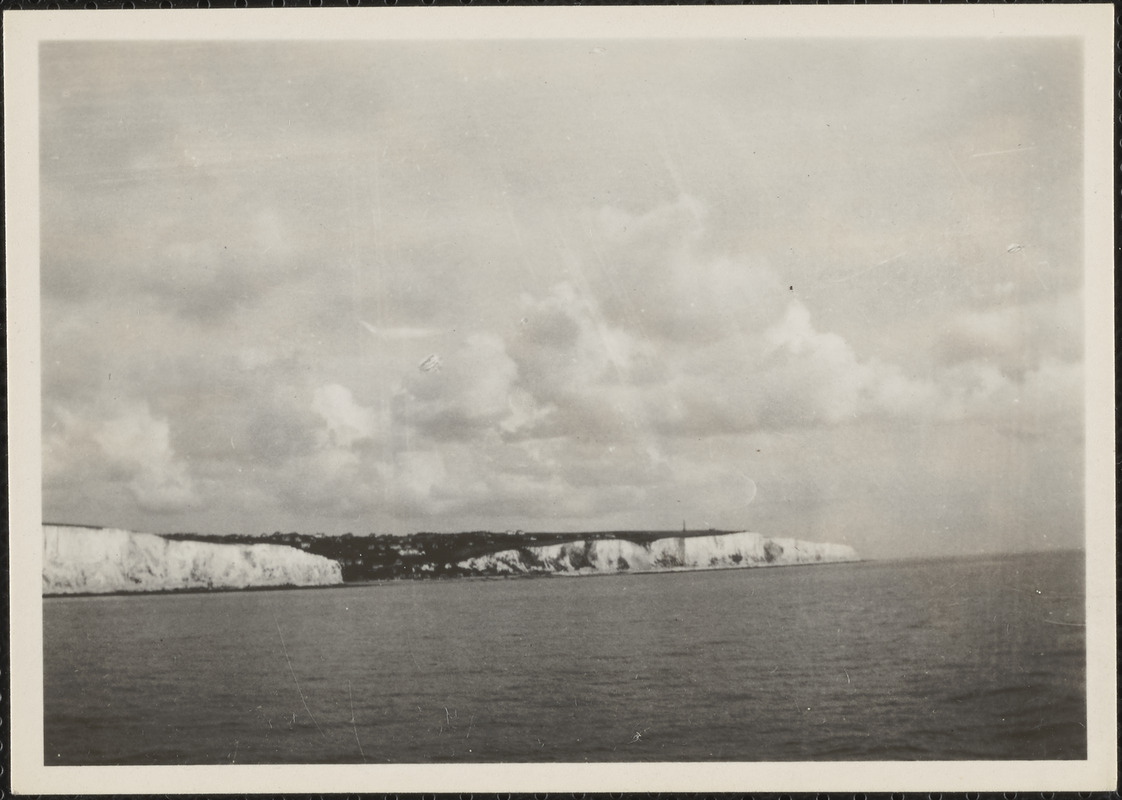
970, 658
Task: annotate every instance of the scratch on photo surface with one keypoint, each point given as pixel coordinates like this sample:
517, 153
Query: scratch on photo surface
292, 672
354, 725
958, 167
859, 273
1003, 152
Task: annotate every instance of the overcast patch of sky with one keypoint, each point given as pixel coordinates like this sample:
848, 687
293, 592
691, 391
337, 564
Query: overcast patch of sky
649, 272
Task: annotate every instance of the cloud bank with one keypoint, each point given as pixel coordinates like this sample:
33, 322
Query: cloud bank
478, 299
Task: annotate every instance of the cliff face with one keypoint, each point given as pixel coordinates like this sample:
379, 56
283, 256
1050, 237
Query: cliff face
720, 551
95, 560
99, 560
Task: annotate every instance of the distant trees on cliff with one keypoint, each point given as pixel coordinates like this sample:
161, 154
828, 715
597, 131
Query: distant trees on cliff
436, 555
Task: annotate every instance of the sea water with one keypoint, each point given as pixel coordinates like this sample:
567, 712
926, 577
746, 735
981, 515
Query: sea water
967, 658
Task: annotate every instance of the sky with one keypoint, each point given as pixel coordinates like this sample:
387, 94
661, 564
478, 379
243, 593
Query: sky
829, 290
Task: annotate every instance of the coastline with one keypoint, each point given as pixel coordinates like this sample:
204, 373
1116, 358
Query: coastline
387, 582
404, 580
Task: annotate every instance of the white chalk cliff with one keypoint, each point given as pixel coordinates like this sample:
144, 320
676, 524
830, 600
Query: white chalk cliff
99, 560
718, 551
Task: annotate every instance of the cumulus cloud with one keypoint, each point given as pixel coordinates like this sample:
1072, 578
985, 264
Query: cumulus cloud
137, 447
1044, 401
570, 407
691, 342
816, 377
602, 355
471, 392
664, 280
566, 346
107, 452
418, 474
1015, 336
346, 421
619, 337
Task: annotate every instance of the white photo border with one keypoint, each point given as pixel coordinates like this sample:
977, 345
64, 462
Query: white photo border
24, 30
